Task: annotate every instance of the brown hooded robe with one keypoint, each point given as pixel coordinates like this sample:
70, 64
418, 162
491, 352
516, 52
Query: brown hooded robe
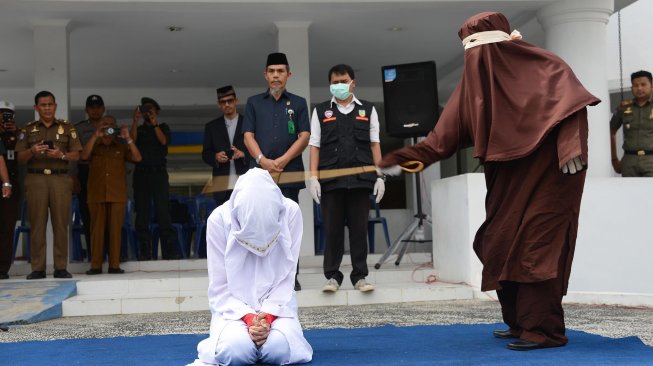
523, 110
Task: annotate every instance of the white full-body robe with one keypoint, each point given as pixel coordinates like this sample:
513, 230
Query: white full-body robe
247, 275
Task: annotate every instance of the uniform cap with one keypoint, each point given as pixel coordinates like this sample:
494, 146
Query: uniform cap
148, 100
7, 105
94, 100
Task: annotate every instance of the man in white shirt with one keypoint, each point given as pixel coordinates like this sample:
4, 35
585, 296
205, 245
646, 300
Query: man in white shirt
253, 243
345, 134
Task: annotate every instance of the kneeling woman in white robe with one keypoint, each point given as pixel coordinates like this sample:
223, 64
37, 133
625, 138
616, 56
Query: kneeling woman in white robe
253, 243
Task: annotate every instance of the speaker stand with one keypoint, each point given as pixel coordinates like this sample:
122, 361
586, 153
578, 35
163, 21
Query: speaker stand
413, 233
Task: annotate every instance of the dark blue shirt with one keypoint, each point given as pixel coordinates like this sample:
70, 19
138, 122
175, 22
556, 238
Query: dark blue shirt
269, 120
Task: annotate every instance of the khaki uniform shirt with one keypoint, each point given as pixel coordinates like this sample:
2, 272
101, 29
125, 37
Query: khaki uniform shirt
637, 125
61, 133
107, 177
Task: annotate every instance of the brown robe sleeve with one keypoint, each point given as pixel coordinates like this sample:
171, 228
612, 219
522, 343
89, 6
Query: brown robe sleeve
572, 138
447, 137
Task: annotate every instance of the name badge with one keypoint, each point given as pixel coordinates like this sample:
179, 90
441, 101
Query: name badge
291, 127
11, 155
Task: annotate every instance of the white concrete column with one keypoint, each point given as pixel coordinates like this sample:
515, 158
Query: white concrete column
576, 30
51, 73
293, 41
51, 68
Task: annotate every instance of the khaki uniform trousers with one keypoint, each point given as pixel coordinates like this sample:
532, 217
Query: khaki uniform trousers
105, 214
53, 192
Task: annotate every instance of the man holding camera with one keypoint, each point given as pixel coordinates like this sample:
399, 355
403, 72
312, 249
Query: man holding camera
46, 146
224, 149
79, 169
9, 175
151, 181
107, 189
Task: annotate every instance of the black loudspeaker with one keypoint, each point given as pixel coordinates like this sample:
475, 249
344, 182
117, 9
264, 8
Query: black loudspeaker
410, 97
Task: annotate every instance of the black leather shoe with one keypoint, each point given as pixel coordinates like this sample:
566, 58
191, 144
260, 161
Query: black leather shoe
4, 276
298, 287
523, 345
116, 270
93, 271
61, 273
503, 334
36, 275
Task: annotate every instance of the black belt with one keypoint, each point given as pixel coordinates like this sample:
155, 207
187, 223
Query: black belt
638, 152
48, 171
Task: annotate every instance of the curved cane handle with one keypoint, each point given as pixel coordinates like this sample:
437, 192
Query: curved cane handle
412, 166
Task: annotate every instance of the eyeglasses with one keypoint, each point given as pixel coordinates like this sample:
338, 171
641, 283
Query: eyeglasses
227, 101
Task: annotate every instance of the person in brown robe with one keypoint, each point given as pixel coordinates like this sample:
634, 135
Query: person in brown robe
524, 111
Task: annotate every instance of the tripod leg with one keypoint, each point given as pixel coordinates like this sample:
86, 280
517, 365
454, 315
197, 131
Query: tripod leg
425, 223
404, 235
402, 252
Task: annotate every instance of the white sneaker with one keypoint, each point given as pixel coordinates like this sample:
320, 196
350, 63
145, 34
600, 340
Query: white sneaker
363, 286
331, 285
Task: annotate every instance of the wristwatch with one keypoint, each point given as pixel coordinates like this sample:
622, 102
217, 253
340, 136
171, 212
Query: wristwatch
383, 177
63, 157
6, 184
258, 158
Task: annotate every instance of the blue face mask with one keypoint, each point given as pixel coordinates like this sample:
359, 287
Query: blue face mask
340, 91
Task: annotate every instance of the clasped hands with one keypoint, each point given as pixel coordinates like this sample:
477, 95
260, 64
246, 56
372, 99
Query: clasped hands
258, 327
222, 156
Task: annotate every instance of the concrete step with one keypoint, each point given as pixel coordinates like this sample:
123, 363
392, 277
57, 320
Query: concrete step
172, 286
22, 268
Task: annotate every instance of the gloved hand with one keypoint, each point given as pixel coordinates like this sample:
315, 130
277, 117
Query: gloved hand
573, 166
315, 189
393, 170
379, 189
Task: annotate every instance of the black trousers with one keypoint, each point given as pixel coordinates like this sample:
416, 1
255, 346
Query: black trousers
82, 176
293, 194
151, 188
9, 208
222, 197
342, 207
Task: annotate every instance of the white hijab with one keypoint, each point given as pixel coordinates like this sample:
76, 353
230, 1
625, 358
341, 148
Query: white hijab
257, 212
259, 224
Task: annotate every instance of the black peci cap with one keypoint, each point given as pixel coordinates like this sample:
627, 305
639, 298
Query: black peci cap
277, 58
225, 91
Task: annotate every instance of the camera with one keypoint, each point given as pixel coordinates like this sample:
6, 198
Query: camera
110, 131
49, 143
230, 154
7, 116
144, 109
